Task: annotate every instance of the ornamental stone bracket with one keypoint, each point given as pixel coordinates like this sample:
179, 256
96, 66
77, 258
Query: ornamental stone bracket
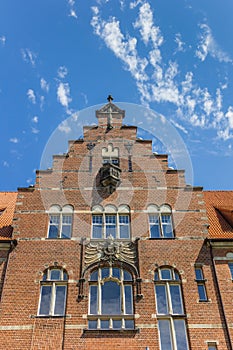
108, 253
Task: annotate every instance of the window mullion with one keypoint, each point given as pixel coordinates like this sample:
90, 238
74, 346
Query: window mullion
169, 300
160, 225
104, 226
117, 226
99, 296
173, 335
53, 298
60, 225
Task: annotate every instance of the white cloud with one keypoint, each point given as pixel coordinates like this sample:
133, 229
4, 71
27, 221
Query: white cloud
134, 4
146, 27
35, 130
14, 140
180, 43
44, 85
6, 164
3, 40
62, 72
31, 96
229, 115
71, 4
35, 119
208, 45
63, 94
64, 127
178, 126
29, 56
123, 48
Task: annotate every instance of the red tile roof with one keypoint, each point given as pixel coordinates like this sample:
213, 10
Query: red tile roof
7, 207
219, 206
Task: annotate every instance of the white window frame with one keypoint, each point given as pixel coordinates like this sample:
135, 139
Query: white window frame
170, 316
123, 316
54, 283
111, 211
159, 212
60, 213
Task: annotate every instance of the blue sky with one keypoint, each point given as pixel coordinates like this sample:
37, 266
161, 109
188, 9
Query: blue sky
60, 57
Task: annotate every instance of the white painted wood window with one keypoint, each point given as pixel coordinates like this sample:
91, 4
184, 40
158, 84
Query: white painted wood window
170, 310
60, 221
110, 221
110, 299
160, 221
53, 293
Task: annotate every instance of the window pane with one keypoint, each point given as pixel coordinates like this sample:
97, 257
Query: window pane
105, 272
65, 276
199, 274
212, 347
94, 276
202, 292
180, 333
124, 219
93, 300
110, 225
55, 275
111, 298
154, 231
156, 276
128, 300
154, 226
117, 324
161, 299
166, 274
231, 269
129, 324
92, 324
104, 324
97, 226
116, 273
124, 230
177, 307
66, 226
54, 226
97, 231
167, 226
127, 276
165, 335
60, 300
46, 292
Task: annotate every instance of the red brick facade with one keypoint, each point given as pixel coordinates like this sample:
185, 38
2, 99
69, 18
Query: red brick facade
146, 185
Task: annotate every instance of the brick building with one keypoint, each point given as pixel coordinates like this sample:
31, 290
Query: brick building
113, 251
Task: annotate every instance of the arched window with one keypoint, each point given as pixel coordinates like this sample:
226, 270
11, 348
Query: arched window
53, 293
170, 310
111, 299
160, 221
111, 221
60, 221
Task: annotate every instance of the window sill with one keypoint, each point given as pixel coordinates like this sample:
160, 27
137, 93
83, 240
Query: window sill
91, 331
50, 316
161, 238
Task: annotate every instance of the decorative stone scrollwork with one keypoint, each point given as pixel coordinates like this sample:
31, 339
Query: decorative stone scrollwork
110, 251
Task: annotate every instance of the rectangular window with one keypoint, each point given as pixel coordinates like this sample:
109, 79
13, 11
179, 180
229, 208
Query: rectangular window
115, 225
97, 224
54, 221
66, 226
124, 226
161, 226
165, 335
60, 226
200, 284
212, 347
154, 226
110, 225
